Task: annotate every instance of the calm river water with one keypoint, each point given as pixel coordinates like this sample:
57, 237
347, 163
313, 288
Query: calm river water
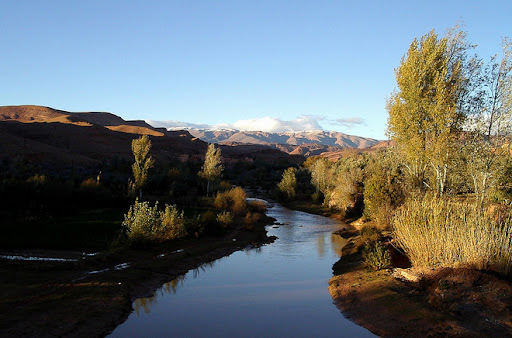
277, 290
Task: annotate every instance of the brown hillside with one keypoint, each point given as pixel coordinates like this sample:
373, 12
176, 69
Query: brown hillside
57, 140
30, 113
135, 130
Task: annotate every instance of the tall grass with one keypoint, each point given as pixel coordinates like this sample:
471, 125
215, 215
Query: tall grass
440, 232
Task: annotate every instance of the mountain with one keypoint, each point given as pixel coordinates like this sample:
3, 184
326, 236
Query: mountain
60, 140
326, 138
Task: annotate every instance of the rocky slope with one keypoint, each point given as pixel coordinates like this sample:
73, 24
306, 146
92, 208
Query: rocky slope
324, 138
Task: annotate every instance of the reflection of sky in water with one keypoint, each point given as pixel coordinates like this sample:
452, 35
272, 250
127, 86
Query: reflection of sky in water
277, 290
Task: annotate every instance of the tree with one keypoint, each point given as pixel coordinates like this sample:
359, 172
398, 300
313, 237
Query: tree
383, 187
321, 175
143, 161
487, 146
423, 114
212, 167
288, 182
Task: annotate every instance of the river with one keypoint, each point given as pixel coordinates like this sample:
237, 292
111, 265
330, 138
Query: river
278, 290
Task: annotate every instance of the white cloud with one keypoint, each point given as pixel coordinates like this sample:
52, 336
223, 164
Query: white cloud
349, 122
276, 125
172, 124
267, 124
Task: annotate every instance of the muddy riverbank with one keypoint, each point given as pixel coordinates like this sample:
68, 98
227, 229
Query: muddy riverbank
89, 296
429, 302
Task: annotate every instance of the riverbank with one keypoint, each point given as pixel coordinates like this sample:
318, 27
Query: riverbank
420, 302
91, 295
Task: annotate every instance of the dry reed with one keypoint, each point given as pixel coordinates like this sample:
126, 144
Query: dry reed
439, 232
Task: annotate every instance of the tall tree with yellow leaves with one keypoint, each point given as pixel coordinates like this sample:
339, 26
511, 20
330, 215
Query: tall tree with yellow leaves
212, 167
423, 114
143, 161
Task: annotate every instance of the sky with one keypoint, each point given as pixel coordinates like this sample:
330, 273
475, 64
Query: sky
274, 65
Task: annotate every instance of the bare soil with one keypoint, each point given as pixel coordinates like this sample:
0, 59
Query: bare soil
444, 302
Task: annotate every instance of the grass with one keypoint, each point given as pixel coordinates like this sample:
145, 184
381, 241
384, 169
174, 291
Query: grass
440, 232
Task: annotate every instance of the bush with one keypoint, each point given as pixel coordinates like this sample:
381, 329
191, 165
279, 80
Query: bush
225, 219
258, 206
439, 232
250, 220
370, 233
141, 220
144, 222
384, 187
233, 200
172, 224
376, 256
317, 197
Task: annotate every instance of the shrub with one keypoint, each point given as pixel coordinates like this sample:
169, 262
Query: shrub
141, 220
376, 256
172, 223
258, 206
439, 232
370, 233
233, 200
317, 197
250, 220
225, 219
144, 222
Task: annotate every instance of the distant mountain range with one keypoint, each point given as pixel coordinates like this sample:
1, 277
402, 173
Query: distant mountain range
327, 138
306, 143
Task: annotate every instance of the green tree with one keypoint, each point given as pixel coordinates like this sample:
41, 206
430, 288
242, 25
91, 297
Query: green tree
321, 175
288, 182
423, 113
143, 161
487, 145
212, 167
383, 187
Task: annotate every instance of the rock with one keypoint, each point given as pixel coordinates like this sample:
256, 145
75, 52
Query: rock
406, 274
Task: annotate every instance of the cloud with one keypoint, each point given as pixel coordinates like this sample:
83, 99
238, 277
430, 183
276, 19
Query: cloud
267, 124
349, 122
172, 124
276, 125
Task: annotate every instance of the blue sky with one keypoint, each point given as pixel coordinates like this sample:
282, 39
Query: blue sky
327, 64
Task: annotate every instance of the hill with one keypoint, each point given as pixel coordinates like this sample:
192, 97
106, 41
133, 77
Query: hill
323, 138
57, 140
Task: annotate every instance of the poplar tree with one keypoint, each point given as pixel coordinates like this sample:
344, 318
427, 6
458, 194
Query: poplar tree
423, 114
143, 161
487, 147
212, 167
288, 182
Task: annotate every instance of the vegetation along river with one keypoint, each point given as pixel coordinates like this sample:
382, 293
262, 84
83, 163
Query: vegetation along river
279, 289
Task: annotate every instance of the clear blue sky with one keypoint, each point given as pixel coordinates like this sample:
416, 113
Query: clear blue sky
212, 62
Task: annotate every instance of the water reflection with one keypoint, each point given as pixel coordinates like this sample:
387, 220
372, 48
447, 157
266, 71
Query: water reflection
275, 290
337, 244
146, 303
